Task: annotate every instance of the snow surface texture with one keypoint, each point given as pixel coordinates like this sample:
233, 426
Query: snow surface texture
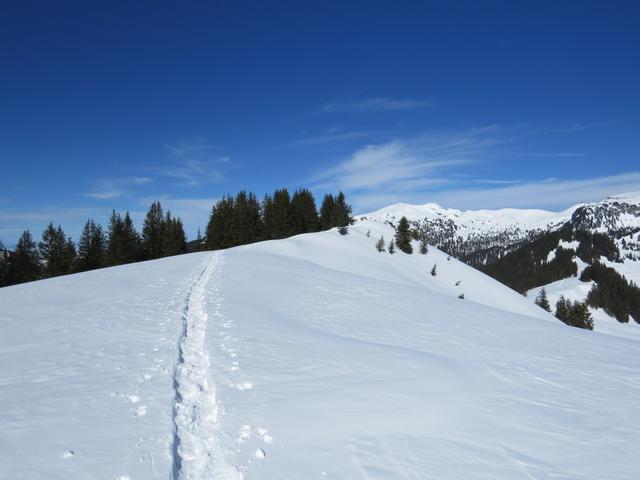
311, 357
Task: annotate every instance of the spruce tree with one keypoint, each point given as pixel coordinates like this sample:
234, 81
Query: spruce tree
115, 240
562, 308
403, 236
220, 226
305, 214
174, 241
91, 247
4, 266
542, 301
575, 314
424, 248
342, 214
131, 242
392, 247
380, 244
152, 232
70, 255
327, 212
434, 271
246, 222
53, 252
278, 215
24, 261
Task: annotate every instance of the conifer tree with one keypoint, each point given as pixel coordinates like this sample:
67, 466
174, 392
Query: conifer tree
53, 252
562, 310
278, 215
342, 214
246, 222
403, 236
380, 244
70, 255
4, 266
424, 249
91, 247
327, 212
305, 214
115, 240
434, 271
392, 247
24, 261
199, 241
575, 314
131, 242
542, 301
152, 232
174, 240
220, 226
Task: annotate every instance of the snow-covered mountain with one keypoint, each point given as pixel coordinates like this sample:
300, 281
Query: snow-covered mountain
310, 357
486, 228
482, 236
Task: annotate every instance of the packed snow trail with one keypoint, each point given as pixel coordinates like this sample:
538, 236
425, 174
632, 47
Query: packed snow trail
197, 450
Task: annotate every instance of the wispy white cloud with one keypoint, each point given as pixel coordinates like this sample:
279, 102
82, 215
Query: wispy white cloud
15, 221
331, 136
552, 154
578, 127
194, 163
494, 181
191, 147
550, 193
403, 169
104, 194
194, 172
435, 167
377, 104
110, 188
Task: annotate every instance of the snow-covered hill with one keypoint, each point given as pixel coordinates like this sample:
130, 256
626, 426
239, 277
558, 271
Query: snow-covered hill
474, 232
311, 357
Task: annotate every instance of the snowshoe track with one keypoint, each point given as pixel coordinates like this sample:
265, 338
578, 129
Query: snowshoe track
197, 450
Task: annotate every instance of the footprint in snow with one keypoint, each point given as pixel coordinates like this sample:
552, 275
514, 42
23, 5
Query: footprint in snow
264, 433
244, 433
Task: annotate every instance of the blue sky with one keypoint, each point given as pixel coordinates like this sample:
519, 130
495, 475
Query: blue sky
470, 104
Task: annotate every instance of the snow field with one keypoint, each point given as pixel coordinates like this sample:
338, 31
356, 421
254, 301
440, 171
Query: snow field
311, 357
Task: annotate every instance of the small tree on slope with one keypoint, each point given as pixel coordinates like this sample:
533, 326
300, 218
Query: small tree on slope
542, 300
403, 236
380, 244
423, 247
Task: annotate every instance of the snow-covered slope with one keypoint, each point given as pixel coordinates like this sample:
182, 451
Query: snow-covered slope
311, 357
467, 232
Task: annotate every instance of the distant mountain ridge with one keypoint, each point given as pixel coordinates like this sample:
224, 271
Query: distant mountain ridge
453, 229
530, 249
